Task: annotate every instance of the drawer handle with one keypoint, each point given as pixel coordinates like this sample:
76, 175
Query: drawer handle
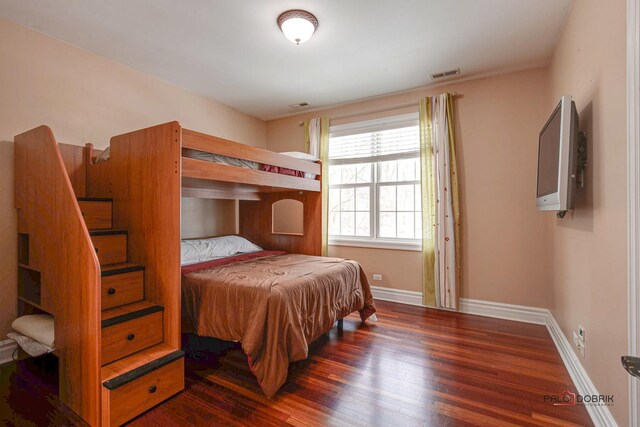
130, 337
111, 291
153, 389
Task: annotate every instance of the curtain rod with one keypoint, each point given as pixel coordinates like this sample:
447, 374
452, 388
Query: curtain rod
375, 110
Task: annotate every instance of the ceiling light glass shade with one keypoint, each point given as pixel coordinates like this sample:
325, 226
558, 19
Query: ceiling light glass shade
297, 25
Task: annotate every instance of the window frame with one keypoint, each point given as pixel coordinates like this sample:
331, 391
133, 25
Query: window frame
373, 240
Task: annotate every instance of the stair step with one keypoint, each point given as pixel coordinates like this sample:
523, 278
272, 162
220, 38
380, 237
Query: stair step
108, 232
127, 267
110, 246
121, 284
95, 199
129, 329
97, 214
128, 312
138, 370
139, 389
122, 366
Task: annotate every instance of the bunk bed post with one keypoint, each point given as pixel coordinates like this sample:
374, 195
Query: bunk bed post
98, 175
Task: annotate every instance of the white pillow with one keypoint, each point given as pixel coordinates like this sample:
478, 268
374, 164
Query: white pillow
38, 327
301, 156
104, 156
201, 250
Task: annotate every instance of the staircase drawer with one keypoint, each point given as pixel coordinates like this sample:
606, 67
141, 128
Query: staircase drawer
132, 399
96, 214
110, 248
121, 289
130, 336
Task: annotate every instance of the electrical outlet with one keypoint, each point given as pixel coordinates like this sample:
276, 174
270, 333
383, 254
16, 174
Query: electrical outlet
581, 333
377, 277
578, 343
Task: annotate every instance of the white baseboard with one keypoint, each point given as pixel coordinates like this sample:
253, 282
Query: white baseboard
7, 347
497, 310
518, 313
600, 415
397, 295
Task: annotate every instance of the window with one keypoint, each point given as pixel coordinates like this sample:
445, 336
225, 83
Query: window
374, 183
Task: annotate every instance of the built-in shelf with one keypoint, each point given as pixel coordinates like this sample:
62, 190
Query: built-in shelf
32, 304
23, 248
28, 267
29, 285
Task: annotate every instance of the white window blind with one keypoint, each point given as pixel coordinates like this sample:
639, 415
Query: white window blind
374, 181
375, 140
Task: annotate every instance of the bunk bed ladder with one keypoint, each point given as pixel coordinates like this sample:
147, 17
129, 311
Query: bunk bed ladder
128, 220
131, 328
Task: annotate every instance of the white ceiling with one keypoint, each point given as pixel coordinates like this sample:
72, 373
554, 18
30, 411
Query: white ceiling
232, 50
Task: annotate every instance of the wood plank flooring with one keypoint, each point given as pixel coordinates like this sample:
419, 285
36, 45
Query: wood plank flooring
414, 367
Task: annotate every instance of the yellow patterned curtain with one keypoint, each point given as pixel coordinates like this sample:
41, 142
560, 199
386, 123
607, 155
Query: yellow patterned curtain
428, 203
440, 203
316, 134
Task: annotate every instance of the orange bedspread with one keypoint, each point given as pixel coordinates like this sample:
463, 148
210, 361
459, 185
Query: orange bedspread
275, 305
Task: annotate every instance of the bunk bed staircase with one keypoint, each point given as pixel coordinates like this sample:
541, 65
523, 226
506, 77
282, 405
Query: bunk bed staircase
86, 260
135, 363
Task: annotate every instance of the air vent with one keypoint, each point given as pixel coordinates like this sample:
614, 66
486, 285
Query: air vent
445, 74
299, 105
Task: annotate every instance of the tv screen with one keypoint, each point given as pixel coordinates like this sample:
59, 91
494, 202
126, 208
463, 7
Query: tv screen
549, 155
557, 158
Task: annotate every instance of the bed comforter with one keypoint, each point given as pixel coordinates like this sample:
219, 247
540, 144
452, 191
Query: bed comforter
274, 303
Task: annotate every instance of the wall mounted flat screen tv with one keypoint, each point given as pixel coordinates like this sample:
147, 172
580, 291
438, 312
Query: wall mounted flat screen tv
557, 159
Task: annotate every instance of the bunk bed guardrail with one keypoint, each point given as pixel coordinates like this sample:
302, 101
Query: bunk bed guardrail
209, 179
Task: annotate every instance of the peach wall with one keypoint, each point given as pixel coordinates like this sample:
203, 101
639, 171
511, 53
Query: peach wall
589, 247
85, 98
399, 269
504, 241
8, 241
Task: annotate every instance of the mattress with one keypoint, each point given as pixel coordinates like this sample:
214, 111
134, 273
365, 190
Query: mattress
248, 164
274, 303
217, 158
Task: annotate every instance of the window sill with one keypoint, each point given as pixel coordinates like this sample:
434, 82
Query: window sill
377, 244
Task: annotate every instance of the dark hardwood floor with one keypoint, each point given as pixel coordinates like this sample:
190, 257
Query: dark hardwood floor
414, 367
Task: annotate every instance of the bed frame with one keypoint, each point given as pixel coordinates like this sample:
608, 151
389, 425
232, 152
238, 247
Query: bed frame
64, 268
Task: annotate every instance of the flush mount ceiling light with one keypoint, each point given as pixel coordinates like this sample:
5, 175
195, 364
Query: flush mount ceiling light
297, 25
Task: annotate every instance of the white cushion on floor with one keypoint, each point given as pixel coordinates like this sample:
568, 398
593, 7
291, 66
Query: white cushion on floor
38, 327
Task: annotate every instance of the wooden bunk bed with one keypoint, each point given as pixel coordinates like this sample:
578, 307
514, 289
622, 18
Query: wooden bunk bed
103, 250
271, 177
